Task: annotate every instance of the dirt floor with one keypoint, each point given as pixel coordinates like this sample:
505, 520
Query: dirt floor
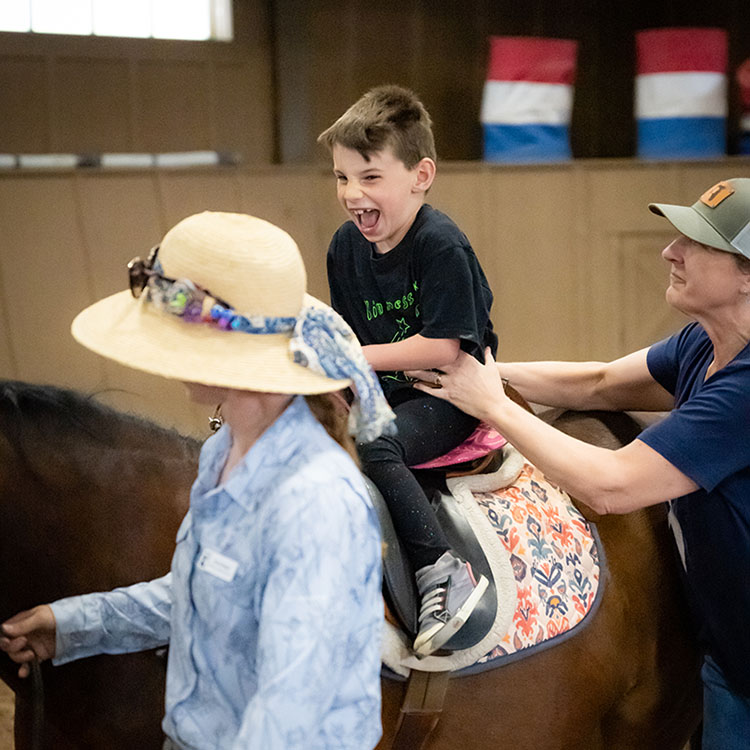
6, 718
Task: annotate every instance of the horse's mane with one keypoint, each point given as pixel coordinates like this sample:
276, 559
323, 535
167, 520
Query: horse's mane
31, 415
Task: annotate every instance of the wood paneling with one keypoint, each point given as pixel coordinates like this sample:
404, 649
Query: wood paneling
173, 101
120, 219
644, 317
571, 252
87, 102
296, 65
243, 117
78, 94
301, 212
45, 277
25, 97
184, 193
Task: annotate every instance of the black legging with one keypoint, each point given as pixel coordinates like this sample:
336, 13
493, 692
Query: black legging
427, 428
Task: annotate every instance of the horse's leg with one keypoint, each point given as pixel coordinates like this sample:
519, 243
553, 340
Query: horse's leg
23, 736
28, 735
22, 724
109, 702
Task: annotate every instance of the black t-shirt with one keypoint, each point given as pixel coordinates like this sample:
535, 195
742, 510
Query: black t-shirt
431, 283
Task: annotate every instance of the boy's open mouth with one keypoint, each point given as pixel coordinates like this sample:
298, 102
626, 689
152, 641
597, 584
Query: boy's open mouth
367, 218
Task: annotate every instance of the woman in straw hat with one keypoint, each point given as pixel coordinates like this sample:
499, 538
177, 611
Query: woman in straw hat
698, 457
272, 608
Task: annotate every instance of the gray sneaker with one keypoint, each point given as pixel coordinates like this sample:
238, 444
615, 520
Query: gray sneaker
449, 594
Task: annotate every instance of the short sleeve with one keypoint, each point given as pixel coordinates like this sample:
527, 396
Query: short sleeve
679, 363
706, 436
454, 296
661, 359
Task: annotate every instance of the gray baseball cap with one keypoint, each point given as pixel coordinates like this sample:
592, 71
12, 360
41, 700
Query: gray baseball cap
720, 218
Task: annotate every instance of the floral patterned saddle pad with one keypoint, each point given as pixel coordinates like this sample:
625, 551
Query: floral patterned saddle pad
546, 564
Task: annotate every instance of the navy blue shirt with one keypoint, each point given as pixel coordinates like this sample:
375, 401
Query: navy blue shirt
707, 437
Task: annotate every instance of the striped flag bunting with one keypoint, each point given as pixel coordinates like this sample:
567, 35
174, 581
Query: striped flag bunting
528, 98
681, 93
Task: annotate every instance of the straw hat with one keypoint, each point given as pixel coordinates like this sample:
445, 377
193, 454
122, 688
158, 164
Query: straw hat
252, 265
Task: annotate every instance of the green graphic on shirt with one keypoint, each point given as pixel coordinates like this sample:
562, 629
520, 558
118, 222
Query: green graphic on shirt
374, 309
403, 327
405, 303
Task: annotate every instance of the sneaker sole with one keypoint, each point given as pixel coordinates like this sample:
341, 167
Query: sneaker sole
436, 636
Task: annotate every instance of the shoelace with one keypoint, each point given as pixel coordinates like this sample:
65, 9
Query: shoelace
434, 601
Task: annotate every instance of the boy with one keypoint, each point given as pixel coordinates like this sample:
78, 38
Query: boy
408, 283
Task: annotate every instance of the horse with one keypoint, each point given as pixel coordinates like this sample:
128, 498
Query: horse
91, 498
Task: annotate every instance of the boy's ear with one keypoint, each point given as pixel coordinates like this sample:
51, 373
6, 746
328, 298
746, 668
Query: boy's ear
424, 173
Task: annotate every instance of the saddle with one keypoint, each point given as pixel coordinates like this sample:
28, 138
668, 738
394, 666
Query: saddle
523, 534
399, 586
425, 694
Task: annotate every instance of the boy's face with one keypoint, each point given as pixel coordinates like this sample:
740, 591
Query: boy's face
381, 196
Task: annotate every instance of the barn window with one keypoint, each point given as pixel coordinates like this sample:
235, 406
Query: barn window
159, 19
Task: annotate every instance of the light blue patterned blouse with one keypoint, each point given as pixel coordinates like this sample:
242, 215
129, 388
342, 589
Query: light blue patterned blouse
272, 608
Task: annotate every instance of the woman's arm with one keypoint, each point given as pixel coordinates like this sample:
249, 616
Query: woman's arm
415, 353
607, 481
132, 618
127, 619
623, 384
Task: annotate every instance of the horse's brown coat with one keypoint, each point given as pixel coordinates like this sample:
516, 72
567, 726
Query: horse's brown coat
91, 500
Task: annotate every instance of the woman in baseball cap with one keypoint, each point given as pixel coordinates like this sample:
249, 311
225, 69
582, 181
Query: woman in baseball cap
697, 458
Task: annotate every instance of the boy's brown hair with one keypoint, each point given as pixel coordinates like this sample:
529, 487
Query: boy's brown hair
385, 116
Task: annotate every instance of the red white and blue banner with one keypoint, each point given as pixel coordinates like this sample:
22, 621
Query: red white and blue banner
528, 99
743, 83
681, 93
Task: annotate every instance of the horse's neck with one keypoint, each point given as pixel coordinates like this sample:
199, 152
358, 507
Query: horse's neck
81, 517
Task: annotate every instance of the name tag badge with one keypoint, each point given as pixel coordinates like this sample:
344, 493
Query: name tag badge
218, 565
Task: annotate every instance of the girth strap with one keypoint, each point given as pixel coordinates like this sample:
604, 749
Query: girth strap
420, 712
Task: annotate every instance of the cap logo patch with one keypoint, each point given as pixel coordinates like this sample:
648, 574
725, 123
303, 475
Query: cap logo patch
718, 193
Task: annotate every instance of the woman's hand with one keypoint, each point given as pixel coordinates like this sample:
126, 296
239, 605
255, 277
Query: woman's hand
473, 387
29, 635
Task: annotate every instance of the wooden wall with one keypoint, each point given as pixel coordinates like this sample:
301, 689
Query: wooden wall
295, 65
329, 52
571, 252
81, 95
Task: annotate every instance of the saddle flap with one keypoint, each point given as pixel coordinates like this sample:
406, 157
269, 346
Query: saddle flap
398, 577
463, 540
399, 586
